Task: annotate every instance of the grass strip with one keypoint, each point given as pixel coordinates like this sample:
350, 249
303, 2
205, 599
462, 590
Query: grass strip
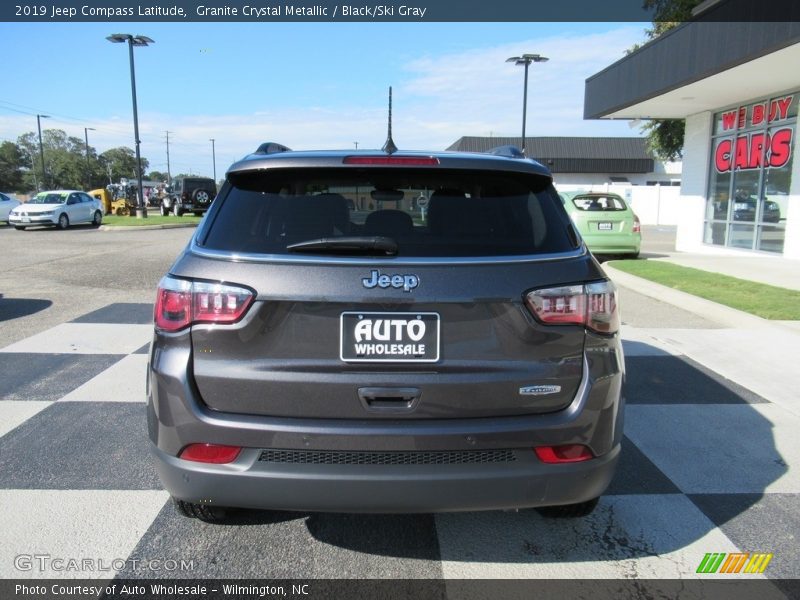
766, 301
152, 219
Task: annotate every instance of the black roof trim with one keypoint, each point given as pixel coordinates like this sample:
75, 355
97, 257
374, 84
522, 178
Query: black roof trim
271, 148
508, 151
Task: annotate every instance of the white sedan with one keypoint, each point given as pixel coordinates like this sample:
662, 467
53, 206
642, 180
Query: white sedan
7, 202
61, 208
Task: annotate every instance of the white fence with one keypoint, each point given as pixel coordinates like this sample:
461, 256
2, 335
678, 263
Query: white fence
653, 204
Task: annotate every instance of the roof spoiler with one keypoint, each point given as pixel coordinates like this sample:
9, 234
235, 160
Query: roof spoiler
507, 151
272, 148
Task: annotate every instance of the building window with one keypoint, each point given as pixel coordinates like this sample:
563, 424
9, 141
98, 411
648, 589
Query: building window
751, 165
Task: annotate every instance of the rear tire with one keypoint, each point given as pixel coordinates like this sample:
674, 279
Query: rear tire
97, 219
204, 512
177, 210
569, 511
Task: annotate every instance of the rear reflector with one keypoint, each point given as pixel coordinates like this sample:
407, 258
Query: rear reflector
411, 161
563, 454
181, 303
593, 305
210, 453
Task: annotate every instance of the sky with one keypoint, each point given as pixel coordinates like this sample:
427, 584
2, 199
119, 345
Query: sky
304, 85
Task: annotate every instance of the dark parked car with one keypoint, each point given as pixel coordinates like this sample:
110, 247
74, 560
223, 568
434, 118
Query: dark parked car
460, 356
189, 194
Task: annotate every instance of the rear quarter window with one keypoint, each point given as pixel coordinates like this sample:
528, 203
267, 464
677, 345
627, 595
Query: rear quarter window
427, 213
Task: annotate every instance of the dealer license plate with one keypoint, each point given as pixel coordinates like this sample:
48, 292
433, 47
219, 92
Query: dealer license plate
604, 226
389, 337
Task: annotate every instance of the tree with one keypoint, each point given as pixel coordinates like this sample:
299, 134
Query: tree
156, 176
65, 165
665, 136
121, 162
12, 162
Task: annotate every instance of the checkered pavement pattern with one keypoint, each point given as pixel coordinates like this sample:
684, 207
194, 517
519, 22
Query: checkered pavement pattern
707, 466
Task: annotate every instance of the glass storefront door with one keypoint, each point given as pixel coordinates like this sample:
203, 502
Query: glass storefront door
751, 165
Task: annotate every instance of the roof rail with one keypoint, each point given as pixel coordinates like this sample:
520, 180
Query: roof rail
271, 148
507, 151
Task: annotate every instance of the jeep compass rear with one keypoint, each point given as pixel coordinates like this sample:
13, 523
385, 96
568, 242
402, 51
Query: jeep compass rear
370, 332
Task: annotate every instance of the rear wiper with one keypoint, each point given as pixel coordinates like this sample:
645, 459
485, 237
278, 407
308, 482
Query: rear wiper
361, 244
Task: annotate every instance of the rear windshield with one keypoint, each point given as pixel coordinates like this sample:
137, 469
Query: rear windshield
426, 213
598, 203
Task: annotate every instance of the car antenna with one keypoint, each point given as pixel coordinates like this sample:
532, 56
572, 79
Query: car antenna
389, 147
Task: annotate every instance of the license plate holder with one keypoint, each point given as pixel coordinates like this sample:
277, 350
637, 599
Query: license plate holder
605, 226
26, 219
396, 337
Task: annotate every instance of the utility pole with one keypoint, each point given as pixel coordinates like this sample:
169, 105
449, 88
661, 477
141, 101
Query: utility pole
86, 131
214, 158
169, 174
41, 146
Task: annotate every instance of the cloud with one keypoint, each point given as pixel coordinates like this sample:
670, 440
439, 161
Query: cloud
476, 92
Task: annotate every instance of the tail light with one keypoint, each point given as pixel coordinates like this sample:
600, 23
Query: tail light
216, 454
637, 225
563, 454
182, 303
593, 305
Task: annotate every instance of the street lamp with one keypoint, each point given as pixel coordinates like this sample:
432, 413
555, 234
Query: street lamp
41, 147
134, 40
214, 158
86, 131
526, 60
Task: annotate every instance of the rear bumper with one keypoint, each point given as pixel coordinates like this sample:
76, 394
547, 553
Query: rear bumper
177, 417
250, 483
613, 244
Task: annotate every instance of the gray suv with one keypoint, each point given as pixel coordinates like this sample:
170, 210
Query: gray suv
189, 194
373, 332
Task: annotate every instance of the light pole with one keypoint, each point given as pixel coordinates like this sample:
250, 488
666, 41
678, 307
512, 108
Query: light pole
134, 40
214, 159
526, 60
41, 147
86, 131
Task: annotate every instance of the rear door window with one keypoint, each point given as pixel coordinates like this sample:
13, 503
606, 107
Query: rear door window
599, 203
427, 213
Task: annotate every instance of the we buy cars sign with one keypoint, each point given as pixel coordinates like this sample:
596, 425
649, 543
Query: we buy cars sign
757, 149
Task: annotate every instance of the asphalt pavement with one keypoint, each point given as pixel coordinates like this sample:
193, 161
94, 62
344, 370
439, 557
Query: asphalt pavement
709, 464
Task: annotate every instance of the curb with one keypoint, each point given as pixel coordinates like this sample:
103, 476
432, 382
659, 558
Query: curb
719, 313
146, 227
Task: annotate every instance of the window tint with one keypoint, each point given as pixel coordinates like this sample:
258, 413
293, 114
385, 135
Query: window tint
604, 203
428, 213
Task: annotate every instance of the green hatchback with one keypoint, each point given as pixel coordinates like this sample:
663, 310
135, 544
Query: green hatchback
606, 223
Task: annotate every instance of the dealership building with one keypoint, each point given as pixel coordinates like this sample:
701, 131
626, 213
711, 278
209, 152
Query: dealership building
737, 85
